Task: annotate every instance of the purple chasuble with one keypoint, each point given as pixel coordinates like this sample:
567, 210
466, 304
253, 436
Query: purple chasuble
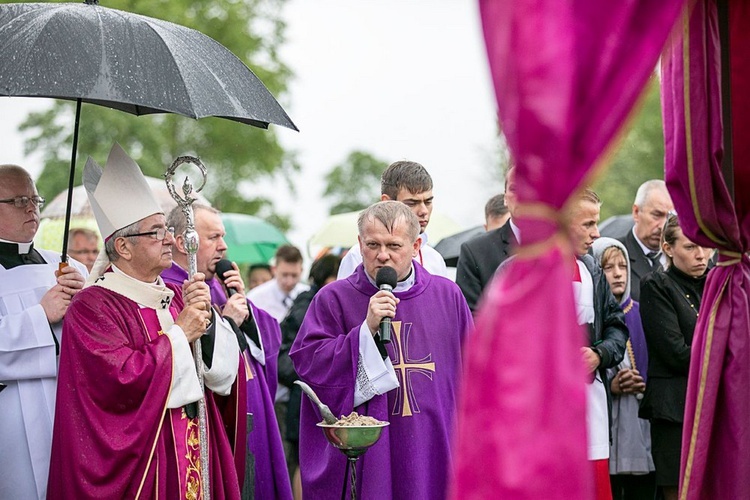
264, 441
114, 436
413, 458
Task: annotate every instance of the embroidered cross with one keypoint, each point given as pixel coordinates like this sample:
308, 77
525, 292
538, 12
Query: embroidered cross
165, 302
100, 278
405, 367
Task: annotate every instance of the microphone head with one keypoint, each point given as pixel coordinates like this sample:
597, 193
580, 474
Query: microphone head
222, 267
386, 276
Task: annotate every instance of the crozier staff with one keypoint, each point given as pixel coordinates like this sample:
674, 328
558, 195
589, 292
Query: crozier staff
126, 370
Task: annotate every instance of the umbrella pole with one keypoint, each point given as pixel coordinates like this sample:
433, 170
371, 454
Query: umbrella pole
69, 205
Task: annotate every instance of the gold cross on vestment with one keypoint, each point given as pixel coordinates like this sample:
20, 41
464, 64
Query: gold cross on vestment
406, 366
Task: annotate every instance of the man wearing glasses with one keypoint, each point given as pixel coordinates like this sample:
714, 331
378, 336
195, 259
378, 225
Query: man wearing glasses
34, 298
84, 246
125, 419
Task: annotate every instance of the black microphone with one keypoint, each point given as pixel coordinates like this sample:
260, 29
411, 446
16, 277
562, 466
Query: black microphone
222, 267
386, 279
248, 326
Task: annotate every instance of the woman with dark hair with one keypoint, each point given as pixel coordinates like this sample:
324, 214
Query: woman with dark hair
322, 272
670, 304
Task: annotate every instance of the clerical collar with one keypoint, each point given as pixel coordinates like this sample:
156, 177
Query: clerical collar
10, 247
402, 285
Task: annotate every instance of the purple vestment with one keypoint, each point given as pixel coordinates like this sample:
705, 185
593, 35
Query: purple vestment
412, 459
114, 435
264, 441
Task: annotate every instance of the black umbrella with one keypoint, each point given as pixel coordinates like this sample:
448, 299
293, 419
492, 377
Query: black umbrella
616, 226
141, 65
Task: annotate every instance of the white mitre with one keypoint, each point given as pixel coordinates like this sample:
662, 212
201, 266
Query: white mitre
119, 196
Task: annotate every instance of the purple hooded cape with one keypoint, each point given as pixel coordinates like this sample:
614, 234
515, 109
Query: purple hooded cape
264, 441
114, 436
412, 459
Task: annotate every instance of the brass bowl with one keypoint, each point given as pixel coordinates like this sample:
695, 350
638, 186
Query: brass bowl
352, 440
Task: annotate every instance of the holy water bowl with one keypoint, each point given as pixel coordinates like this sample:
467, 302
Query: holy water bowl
352, 440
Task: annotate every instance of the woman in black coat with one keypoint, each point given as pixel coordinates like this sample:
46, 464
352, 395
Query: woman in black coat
670, 304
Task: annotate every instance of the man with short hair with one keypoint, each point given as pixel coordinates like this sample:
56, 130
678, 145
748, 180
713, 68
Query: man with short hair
34, 299
410, 382
650, 208
126, 421
259, 338
411, 184
496, 212
257, 274
480, 256
598, 311
83, 246
276, 296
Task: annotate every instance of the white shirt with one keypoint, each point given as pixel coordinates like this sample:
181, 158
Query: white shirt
272, 299
428, 257
28, 366
597, 419
647, 250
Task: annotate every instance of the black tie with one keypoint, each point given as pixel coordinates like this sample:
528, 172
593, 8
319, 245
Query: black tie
655, 258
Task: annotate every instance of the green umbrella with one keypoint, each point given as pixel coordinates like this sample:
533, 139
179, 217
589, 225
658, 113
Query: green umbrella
251, 240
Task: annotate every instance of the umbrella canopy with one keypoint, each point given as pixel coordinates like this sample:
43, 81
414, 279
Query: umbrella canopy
134, 63
251, 240
449, 247
340, 230
616, 226
129, 62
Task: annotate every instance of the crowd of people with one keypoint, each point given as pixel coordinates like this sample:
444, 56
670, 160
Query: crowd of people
101, 398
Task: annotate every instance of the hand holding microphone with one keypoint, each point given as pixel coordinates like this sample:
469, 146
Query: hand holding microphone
383, 304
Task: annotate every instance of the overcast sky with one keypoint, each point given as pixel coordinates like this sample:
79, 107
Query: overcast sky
400, 79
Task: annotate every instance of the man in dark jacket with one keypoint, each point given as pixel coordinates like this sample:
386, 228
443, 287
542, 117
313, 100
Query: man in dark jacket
650, 208
598, 310
480, 256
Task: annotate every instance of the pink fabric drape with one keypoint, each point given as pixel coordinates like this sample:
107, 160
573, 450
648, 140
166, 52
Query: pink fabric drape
566, 74
716, 438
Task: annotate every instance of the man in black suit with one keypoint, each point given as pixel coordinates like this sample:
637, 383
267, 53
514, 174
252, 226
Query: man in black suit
650, 208
480, 256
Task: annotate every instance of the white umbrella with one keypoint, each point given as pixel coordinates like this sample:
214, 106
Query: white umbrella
340, 230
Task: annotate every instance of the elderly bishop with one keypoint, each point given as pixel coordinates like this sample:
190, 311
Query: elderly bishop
125, 426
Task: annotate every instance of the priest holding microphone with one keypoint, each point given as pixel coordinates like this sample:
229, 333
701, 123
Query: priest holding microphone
259, 339
411, 381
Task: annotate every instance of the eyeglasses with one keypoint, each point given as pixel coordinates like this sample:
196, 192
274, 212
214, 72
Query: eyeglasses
83, 252
23, 201
158, 234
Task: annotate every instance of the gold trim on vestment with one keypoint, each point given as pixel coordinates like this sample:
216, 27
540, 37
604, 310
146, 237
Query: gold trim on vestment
701, 391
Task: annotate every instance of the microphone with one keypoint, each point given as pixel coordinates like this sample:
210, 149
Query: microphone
222, 267
386, 279
248, 326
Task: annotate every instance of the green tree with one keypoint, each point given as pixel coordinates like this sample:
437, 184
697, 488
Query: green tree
235, 155
638, 158
355, 183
